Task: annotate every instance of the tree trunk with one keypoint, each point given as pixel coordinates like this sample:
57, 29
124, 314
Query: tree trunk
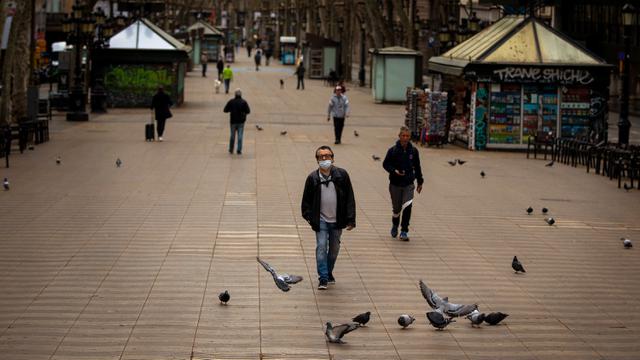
405, 22
17, 65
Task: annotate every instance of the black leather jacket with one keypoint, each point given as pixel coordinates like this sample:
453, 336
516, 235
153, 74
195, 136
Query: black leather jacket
346, 211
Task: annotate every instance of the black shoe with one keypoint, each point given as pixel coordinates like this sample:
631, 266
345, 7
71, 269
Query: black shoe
239, 152
331, 280
322, 285
337, 142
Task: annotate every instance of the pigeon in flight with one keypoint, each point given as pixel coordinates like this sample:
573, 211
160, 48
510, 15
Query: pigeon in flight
433, 299
456, 310
282, 280
461, 162
476, 318
550, 221
335, 333
626, 242
375, 157
545, 210
118, 162
517, 265
58, 160
283, 132
363, 318
529, 210
495, 317
5, 184
259, 127
437, 320
482, 174
452, 163
355, 133
627, 187
405, 320
224, 297
550, 164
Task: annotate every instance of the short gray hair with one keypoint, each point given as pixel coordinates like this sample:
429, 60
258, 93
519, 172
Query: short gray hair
238, 92
404, 128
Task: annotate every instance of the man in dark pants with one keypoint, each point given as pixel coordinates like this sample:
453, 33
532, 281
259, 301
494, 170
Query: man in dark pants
220, 66
238, 110
328, 205
300, 73
403, 165
339, 108
161, 102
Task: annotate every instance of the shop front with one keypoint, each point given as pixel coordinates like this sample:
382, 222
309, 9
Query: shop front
519, 78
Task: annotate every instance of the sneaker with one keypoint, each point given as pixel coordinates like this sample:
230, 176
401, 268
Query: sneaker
322, 285
394, 232
404, 236
332, 280
239, 152
160, 138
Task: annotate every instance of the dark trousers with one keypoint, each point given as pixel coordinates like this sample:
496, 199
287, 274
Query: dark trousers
219, 74
300, 82
401, 195
161, 123
204, 69
227, 82
338, 125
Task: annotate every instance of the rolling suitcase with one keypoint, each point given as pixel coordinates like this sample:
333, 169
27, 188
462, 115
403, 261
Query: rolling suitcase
149, 130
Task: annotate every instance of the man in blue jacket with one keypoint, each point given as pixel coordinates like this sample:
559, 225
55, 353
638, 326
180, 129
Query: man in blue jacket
403, 165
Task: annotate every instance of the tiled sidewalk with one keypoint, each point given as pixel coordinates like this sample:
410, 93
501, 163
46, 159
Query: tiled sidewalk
99, 262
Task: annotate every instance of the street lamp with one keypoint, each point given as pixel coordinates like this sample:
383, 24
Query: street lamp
103, 31
79, 30
474, 23
624, 125
362, 55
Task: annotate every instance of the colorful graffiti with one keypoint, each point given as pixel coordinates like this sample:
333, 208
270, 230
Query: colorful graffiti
134, 85
480, 129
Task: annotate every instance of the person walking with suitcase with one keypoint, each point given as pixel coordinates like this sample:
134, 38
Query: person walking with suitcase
238, 110
161, 103
339, 108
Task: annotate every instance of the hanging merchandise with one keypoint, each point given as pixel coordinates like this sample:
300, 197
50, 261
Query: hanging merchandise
414, 111
434, 129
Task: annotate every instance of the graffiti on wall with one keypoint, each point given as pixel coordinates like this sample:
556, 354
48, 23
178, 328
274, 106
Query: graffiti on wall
130, 85
482, 102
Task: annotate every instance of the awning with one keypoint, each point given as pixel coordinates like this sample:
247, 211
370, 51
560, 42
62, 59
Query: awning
145, 35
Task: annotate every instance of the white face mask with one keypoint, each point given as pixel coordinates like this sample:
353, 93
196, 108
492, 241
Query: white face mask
325, 164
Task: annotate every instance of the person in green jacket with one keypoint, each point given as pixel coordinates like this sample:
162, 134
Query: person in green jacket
227, 76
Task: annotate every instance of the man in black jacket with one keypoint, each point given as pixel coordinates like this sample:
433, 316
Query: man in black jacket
161, 102
403, 165
328, 205
238, 110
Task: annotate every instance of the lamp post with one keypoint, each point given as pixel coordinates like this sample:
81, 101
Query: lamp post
104, 30
628, 14
362, 55
78, 30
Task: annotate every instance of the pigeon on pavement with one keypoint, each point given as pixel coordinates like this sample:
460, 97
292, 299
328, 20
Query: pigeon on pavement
118, 162
58, 160
476, 318
545, 210
355, 133
283, 132
452, 163
517, 265
5, 184
550, 164
529, 210
456, 310
258, 127
224, 297
363, 318
437, 320
282, 280
335, 333
482, 173
461, 162
375, 157
405, 320
550, 221
494, 318
626, 242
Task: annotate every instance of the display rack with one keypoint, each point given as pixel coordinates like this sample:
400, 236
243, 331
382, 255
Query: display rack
436, 118
505, 115
574, 112
414, 111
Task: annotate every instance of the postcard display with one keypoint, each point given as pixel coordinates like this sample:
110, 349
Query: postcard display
436, 118
575, 111
414, 111
505, 114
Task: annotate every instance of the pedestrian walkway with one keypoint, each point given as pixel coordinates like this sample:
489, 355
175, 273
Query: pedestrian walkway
100, 262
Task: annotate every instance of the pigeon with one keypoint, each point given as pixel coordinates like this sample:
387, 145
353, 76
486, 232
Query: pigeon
434, 301
529, 210
363, 318
224, 297
550, 164
355, 133
437, 320
476, 318
545, 210
259, 127
495, 317
482, 174
335, 333
31, 147
461, 162
456, 310
517, 265
550, 221
452, 163
626, 242
405, 320
283, 132
118, 162
5, 184
282, 280
281, 84
627, 187
58, 160
375, 157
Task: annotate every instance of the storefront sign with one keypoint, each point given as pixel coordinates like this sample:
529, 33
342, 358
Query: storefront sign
543, 75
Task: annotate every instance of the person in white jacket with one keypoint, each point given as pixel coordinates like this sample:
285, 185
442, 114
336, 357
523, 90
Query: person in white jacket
339, 108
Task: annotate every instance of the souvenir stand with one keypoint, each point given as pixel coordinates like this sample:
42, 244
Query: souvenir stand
524, 77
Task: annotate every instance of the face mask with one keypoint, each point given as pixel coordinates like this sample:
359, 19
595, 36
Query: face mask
325, 164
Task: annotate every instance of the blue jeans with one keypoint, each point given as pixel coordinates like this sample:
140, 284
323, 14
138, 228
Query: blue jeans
232, 139
227, 82
327, 248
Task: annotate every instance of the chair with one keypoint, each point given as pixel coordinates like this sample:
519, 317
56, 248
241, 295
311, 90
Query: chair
543, 139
